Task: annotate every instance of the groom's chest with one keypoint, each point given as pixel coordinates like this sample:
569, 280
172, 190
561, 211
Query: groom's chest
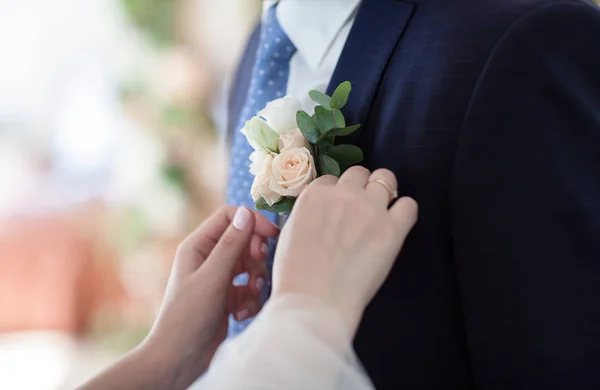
413, 121
411, 89
415, 118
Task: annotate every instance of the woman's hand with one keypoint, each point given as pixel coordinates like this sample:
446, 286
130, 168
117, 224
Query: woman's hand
341, 240
200, 295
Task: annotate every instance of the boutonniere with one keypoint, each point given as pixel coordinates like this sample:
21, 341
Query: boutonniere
292, 148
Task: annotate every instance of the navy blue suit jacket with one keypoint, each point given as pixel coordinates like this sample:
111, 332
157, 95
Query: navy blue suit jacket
488, 111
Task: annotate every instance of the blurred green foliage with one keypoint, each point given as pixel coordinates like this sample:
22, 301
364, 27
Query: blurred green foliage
177, 116
156, 18
174, 175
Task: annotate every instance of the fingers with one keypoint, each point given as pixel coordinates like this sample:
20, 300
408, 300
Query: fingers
232, 244
258, 277
355, 178
258, 248
245, 305
326, 180
382, 186
404, 213
246, 297
263, 227
247, 310
201, 242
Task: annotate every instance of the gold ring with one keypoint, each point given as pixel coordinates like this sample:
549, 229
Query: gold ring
391, 191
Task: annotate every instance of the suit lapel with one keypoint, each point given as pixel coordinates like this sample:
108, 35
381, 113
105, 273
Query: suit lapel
377, 29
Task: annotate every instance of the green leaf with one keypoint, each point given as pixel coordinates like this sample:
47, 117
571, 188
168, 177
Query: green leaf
338, 132
346, 155
320, 98
307, 126
340, 95
340, 121
324, 118
283, 206
343, 131
329, 166
324, 146
175, 175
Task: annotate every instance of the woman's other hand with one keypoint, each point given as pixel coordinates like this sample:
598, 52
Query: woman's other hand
200, 294
342, 239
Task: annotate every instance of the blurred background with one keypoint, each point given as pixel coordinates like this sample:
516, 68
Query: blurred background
110, 153
111, 121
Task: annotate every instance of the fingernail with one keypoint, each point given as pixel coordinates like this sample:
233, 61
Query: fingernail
260, 282
264, 248
241, 220
243, 314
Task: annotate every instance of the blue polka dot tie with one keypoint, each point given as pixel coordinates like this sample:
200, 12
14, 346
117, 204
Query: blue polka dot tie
269, 82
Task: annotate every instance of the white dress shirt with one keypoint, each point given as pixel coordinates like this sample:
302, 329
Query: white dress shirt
318, 29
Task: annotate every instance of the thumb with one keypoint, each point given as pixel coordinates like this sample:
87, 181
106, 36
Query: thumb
404, 213
232, 244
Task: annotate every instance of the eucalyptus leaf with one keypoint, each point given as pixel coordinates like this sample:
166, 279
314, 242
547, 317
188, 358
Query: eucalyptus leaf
341, 132
340, 121
307, 126
325, 119
283, 206
340, 95
320, 98
325, 145
338, 132
329, 166
346, 155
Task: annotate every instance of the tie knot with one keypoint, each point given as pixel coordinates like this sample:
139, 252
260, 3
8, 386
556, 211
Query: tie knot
275, 45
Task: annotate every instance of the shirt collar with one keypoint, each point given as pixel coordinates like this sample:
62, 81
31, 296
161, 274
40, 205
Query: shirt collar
312, 25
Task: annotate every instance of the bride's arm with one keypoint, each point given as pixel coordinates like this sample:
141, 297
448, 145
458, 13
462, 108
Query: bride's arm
296, 342
145, 367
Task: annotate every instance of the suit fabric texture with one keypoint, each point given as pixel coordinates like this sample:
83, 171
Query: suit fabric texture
488, 112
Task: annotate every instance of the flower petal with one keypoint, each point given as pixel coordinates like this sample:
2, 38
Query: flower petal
280, 114
260, 135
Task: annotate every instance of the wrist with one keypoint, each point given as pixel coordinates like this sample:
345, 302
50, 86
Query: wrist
351, 316
348, 313
141, 368
154, 364
176, 365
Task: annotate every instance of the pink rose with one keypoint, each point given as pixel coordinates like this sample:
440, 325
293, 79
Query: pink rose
293, 169
261, 166
292, 139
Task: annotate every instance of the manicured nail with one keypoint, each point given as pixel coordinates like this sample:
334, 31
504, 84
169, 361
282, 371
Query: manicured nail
241, 220
264, 248
260, 282
243, 314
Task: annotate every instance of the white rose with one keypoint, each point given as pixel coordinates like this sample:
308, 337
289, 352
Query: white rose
262, 164
293, 169
260, 135
257, 161
281, 113
292, 139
